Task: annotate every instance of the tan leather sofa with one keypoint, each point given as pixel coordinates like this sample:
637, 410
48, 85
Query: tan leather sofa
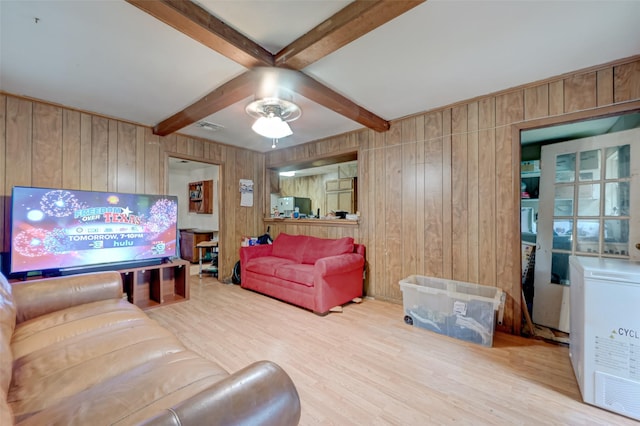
73, 351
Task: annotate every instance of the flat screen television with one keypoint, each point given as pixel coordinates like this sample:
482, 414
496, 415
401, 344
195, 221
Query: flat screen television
62, 230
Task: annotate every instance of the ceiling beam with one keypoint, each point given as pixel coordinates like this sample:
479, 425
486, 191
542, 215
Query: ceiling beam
220, 98
321, 94
350, 23
200, 25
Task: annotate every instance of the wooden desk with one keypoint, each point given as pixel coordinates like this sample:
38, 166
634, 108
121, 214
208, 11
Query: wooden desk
189, 240
207, 245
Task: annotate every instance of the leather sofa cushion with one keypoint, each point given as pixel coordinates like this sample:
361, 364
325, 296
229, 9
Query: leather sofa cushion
7, 325
318, 248
296, 272
135, 395
59, 326
266, 265
66, 354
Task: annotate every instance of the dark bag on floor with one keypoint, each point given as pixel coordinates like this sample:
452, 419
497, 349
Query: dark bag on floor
235, 276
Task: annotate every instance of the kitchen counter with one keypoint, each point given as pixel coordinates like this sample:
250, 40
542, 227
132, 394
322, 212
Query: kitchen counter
308, 221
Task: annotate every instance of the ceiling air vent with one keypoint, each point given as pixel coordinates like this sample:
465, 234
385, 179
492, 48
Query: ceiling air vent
209, 126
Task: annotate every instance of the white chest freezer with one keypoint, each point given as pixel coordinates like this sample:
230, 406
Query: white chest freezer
605, 332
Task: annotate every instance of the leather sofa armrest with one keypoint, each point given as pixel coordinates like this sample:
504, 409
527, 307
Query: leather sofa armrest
39, 297
339, 264
261, 394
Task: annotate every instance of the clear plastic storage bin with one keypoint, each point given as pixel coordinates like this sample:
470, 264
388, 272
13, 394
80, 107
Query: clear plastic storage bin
457, 309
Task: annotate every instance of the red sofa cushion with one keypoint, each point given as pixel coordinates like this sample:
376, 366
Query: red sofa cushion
318, 248
296, 272
266, 265
289, 246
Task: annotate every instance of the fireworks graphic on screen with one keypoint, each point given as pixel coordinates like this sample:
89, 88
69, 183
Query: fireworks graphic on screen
31, 243
59, 203
57, 242
164, 213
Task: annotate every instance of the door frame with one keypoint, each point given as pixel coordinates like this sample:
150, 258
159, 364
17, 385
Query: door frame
516, 128
218, 189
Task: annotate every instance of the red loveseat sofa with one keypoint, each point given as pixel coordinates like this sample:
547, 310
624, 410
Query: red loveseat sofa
314, 273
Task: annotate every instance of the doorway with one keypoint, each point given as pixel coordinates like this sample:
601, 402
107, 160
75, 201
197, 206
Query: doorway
182, 173
585, 213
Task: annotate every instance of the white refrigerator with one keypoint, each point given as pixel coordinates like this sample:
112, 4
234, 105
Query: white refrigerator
605, 332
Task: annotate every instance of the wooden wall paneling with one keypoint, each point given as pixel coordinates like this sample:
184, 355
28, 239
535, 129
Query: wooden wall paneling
509, 109
99, 153
379, 215
198, 148
126, 157
604, 82
261, 197
626, 81
184, 145
4, 195
447, 253
536, 101
556, 97
140, 159
112, 162
420, 216
363, 199
580, 92
459, 194
19, 133
487, 192
46, 160
86, 154
151, 162
473, 255
366, 173
242, 227
71, 151
409, 202
393, 212
433, 195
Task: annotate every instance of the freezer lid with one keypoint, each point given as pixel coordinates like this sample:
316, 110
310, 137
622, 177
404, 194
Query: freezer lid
608, 269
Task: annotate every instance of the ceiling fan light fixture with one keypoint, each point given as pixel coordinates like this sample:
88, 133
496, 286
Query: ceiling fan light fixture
271, 127
272, 115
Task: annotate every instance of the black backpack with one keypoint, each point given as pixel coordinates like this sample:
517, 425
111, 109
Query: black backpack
235, 276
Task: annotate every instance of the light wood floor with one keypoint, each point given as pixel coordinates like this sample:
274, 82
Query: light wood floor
366, 367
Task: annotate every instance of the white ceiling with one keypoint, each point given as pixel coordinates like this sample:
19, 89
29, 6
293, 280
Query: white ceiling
109, 57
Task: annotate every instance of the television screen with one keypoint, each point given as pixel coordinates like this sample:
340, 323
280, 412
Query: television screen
57, 229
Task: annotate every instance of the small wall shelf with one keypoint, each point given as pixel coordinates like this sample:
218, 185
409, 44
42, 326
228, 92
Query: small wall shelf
201, 197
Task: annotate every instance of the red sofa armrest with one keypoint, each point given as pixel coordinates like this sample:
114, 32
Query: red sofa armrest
339, 264
251, 252
248, 253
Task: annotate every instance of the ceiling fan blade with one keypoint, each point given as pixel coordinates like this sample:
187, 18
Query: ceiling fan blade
352, 22
194, 21
220, 98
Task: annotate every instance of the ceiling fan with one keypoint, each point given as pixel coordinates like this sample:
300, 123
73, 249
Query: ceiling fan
348, 24
272, 116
